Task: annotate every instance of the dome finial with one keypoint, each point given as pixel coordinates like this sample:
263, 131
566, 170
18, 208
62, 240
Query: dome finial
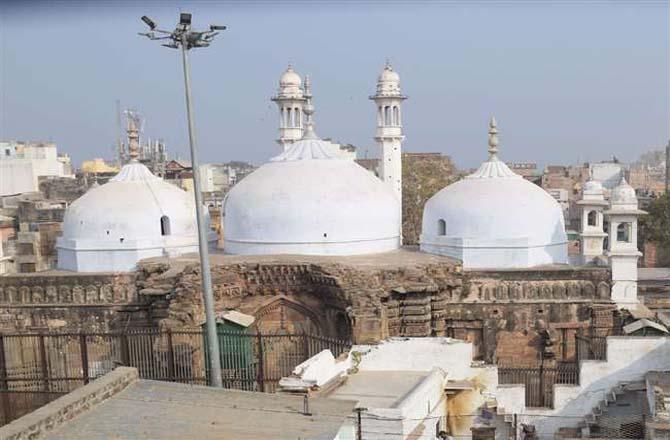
133, 134
493, 138
388, 65
308, 110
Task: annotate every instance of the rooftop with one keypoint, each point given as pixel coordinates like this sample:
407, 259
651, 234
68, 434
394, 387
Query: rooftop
151, 410
379, 389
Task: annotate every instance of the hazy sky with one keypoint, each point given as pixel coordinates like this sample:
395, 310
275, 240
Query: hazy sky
568, 81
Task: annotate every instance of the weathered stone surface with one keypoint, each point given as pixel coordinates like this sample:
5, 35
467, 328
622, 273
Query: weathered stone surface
40, 422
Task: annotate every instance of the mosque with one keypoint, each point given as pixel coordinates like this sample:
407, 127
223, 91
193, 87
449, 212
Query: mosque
313, 241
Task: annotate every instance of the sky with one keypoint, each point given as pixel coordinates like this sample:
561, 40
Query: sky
568, 81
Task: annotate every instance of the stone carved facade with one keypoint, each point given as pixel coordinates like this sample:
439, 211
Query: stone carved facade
372, 303
48, 301
415, 296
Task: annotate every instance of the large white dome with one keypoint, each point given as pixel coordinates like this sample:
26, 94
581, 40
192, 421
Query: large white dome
494, 218
309, 200
135, 215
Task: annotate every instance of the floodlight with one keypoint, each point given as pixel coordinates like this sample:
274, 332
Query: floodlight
185, 18
149, 22
216, 27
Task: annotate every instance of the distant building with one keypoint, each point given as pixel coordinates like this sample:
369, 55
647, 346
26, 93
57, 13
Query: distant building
527, 170
561, 196
7, 233
219, 177
39, 227
98, 166
23, 163
607, 173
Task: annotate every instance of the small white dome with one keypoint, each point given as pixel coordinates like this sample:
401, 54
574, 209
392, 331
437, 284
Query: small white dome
624, 195
290, 84
388, 82
290, 78
593, 190
593, 187
309, 200
494, 218
135, 215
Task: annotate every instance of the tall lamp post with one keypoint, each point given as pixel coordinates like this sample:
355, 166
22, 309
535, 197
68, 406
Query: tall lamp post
182, 37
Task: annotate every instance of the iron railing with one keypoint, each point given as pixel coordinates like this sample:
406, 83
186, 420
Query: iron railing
39, 367
539, 380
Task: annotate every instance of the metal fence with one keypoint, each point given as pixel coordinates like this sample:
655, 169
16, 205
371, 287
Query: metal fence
539, 380
37, 368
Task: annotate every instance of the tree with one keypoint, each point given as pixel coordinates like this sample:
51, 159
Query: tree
655, 227
423, 175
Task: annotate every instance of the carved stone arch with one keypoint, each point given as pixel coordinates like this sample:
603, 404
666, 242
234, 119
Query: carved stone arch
12, 295
38, 294
588, 290
284, 315
92, 295
51, 294
603, 290
24, 294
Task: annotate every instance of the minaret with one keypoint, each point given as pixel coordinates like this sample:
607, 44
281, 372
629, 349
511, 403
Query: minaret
592, 230
389, 134
308, 108
622, 248
290, 100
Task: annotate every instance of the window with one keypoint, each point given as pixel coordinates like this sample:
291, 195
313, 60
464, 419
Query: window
441, 227
592, 218
387, 115
396, 116
623, 233
165, 225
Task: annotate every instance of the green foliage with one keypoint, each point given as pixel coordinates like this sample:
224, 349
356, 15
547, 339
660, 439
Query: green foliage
656, 225
422, 177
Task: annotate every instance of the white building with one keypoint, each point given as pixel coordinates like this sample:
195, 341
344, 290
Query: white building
311, 200
216, 177
23, 163
592, 225
607, 173
135, 215
622, 243
495, 218
407, 388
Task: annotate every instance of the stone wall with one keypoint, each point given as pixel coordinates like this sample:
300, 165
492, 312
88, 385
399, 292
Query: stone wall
513, 316
69, 301
505, 314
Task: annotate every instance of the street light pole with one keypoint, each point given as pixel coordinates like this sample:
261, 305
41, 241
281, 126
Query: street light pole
183, 37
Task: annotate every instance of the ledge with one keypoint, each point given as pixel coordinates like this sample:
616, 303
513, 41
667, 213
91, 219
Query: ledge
40, 422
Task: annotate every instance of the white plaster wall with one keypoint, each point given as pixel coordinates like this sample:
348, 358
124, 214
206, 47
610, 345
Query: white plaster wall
420, 354
17, 176
502, 254
322, 368
417, 413
628, 359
